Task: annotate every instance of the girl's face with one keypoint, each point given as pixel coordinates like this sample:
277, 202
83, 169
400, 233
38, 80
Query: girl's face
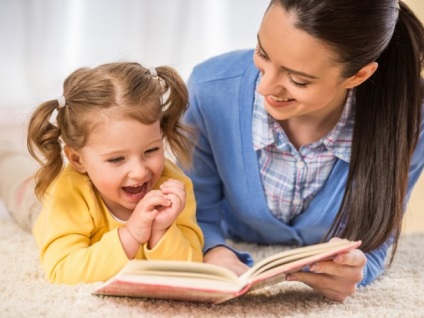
124, 160
300, 78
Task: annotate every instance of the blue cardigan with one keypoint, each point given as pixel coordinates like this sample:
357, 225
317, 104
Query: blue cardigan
230, 199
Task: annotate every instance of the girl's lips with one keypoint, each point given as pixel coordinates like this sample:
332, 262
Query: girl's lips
278, 104
135, 189
135, 194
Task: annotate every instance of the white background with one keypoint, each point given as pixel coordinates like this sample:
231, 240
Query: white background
43, 41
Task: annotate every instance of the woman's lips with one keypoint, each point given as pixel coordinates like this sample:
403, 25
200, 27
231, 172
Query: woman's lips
278, 103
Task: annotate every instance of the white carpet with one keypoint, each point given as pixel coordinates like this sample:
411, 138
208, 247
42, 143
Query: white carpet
24, 292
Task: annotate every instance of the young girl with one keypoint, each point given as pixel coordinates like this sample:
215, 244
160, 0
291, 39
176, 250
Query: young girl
317, 133
117, 198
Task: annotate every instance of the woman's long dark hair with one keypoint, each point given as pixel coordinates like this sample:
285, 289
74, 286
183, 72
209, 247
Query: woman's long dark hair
388, 106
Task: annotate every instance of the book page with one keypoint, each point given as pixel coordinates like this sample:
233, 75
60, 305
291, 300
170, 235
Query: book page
196, 282
295, 259
129, 289
177, 267
180, 274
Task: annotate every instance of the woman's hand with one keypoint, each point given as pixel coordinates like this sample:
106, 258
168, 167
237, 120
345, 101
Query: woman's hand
224, 257
335, 279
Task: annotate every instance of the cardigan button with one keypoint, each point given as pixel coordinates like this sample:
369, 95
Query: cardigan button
300, 164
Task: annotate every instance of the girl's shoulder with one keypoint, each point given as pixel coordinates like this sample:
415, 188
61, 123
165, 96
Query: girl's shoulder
172, 170
70, 183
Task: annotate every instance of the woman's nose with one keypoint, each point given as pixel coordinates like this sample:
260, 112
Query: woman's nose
270, 83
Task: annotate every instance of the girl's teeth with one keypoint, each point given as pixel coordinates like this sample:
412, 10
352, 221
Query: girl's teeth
135, 189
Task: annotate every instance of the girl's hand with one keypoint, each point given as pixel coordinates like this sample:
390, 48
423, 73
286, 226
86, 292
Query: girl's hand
174, 191
140, 223
336, 279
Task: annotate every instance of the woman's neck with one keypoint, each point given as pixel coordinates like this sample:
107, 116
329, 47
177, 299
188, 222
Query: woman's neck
309, 128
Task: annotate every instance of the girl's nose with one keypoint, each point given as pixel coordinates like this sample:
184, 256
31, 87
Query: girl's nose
138, 171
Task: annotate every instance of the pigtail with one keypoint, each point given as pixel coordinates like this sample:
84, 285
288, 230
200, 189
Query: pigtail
177, 135
44, 146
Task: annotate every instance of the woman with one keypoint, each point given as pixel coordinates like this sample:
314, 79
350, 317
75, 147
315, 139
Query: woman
320, 136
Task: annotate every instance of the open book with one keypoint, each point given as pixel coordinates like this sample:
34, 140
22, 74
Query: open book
201, 282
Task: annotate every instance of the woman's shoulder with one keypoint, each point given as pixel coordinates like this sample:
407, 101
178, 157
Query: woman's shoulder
226, 65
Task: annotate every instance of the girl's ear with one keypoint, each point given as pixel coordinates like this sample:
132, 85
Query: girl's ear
360, 77
74, 159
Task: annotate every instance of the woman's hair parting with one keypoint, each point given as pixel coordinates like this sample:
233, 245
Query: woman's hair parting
114, 90
388, 106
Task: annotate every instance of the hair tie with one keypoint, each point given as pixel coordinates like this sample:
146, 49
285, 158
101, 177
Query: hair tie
61, 101
153, 72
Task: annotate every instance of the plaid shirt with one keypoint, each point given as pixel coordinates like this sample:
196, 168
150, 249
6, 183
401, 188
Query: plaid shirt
290, 177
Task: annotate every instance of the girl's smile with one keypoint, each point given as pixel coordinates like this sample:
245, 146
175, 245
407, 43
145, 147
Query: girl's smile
136, 192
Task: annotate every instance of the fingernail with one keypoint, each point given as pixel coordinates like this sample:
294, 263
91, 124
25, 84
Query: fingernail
291, 277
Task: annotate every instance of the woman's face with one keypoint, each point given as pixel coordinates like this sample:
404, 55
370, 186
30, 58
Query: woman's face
300, 78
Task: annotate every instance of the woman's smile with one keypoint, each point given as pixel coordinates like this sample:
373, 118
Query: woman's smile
278, 102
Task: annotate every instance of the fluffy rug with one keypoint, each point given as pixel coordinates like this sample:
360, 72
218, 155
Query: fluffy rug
24, 292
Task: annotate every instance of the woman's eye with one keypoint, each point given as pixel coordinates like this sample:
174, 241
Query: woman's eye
297, 84
261, 54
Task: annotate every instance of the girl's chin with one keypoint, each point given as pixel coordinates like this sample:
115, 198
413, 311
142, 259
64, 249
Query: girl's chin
128, 207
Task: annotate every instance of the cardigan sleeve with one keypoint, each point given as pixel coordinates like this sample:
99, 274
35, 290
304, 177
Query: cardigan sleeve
204, 174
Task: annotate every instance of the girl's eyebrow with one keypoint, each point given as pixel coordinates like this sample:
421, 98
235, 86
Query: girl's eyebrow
286, 68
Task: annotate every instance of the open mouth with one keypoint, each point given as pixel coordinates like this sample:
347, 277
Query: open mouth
136, 189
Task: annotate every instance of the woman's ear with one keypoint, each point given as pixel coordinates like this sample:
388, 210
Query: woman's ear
360, 77
74, 159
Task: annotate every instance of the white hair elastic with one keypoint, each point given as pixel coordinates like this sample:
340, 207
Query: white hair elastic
61, 101
153, 72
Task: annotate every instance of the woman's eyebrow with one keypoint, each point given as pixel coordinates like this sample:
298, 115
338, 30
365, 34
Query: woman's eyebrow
286, 68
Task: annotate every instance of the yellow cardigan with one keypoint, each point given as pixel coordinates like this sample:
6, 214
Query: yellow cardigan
78, 237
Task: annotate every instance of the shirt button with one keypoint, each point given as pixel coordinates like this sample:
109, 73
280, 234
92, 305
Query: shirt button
300, 164
297, 201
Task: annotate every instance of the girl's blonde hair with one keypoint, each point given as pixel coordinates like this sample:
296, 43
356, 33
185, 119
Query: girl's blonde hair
115, 90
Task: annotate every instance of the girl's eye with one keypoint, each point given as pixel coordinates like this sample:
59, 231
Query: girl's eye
152, 150
261, 54
115, 160
297, 84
